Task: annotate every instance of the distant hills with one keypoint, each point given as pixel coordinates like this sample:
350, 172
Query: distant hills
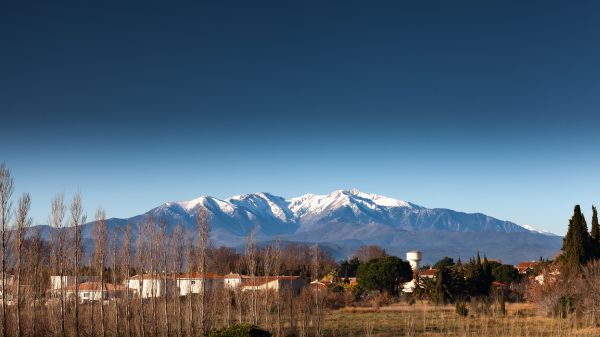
346, 219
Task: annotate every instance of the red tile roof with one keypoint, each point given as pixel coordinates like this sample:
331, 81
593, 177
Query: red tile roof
260, 280
428, 272
523, 266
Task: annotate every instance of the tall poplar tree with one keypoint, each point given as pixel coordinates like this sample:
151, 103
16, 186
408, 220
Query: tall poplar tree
577, 243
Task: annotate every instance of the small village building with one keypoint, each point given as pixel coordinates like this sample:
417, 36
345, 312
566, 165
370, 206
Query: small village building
274, 283
232, 281
68, 280
430, 273
526, 267
57, 282
152, 285
191, 283
10, 282
94, 291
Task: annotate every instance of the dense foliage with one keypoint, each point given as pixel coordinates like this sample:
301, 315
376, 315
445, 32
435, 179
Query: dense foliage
580, 246
385, 274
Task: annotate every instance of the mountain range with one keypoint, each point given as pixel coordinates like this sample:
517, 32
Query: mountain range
346, 219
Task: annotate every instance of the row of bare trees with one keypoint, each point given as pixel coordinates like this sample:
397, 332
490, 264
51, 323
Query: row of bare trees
74, 252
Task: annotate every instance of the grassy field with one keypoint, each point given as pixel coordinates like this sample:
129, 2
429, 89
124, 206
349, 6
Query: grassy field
427, 320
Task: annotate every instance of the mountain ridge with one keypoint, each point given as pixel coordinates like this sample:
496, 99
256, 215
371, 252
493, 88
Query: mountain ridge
346, 219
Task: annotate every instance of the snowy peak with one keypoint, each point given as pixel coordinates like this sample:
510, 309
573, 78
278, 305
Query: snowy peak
535, 230
313, 204
352, 208
263, 203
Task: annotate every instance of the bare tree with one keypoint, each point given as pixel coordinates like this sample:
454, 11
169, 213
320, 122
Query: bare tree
153, 245
202, 222
77, 219
190, 268
23, 222
369, 252
277, 273
115, 268
267, 268
239, 296
251, 257
58, 242
141, 248
178, 237
315, 275
165, 251
6, 191
37, 263
100, 247
127, 259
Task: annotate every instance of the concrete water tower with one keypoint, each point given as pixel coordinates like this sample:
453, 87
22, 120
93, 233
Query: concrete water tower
414, 257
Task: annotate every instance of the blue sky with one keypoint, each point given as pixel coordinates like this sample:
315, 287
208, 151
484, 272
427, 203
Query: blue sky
477, 106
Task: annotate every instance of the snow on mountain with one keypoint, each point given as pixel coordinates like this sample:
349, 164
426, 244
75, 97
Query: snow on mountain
311, 204
535, 230
357, 212
347, 218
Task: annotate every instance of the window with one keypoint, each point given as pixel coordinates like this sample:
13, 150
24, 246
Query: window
86, 295
193, 282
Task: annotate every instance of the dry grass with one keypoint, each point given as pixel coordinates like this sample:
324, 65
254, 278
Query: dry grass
428, 320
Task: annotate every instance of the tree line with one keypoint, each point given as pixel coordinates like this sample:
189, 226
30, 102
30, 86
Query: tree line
30, 307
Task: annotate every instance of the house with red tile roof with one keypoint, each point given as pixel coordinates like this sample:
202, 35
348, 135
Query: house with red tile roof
150, 285
192, 283
526, 267
428, 273
94, 291
274, 283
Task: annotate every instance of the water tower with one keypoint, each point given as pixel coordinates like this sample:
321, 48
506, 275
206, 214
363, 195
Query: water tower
414, 257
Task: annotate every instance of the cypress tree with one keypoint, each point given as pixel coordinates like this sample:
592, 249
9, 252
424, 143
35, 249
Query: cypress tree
576, 244
439, 293
595, 234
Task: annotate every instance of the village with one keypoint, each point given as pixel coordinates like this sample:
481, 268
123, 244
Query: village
154, 285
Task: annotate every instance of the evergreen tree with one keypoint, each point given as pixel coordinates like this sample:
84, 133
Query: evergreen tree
439, 296
595, 234
577, 243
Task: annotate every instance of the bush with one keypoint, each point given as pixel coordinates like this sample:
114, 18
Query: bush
241, 330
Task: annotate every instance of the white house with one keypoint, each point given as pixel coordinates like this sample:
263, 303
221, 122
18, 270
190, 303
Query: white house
57, 283
275, 283
10, 281
231, 281
67, 280
192, 282
93, 291
152, 285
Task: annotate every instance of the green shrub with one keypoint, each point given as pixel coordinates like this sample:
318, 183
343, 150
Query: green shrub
241, 330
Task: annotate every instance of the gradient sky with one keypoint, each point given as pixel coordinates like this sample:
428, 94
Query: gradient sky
478, 106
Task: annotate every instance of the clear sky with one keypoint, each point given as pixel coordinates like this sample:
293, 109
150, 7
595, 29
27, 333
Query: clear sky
478, 106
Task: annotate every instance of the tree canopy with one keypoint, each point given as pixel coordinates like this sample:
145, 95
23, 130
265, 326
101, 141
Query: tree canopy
577, 244
385, 274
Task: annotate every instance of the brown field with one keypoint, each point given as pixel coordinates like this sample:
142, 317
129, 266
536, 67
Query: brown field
428, 320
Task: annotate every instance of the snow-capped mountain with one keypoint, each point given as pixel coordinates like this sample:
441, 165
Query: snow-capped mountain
349, 218
354, 210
